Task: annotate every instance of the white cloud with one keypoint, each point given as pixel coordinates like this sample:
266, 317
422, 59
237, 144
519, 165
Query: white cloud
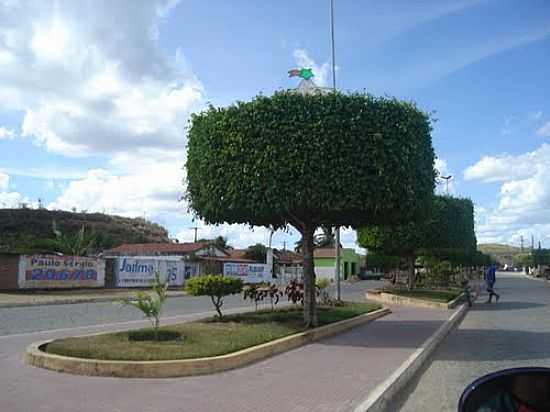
9, 199
524, 196
91, 78
148, 190
322, 72
6, 133
4, 181
506, 167
544, 130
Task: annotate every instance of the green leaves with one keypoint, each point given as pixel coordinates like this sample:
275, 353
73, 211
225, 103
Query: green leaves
150, 303
331, 159
447, 231
76, 244
215, 286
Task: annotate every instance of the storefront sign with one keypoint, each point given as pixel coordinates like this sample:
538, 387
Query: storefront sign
51, 271
138, 272
248, 272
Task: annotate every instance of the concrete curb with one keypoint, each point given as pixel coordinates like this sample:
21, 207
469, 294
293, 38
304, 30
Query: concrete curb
379, 399
535, 278
390, 298
70, 301
188, 367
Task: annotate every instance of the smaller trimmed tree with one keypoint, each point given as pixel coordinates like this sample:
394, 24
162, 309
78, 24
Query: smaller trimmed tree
447, 230
215, 286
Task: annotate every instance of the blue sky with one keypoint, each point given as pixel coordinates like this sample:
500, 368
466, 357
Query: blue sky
96, 95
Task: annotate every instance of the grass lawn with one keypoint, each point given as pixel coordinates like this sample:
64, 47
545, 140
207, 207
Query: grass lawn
436, 295
204, 338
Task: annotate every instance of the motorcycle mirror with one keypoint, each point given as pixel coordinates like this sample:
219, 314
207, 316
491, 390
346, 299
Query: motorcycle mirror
517, 389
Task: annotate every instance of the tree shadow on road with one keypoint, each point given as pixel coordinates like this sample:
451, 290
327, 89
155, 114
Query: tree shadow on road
387, 334
494, 345
504, 305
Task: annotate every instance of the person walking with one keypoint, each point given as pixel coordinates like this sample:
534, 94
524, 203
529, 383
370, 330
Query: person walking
490, 279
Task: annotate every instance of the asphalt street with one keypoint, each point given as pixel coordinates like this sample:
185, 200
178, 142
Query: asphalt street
48, 317
511, 333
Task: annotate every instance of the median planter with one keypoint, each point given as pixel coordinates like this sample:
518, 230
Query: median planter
386, 297
36, 355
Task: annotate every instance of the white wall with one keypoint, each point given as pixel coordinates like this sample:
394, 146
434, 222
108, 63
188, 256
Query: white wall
325, 272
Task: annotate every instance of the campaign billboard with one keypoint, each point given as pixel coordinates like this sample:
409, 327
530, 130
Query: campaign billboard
140, 272
248, 272
52, 271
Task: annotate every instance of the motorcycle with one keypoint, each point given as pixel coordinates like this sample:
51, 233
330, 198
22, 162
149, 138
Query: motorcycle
509, 390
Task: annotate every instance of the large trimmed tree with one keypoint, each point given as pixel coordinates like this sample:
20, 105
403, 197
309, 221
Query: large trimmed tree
322, 159
447, 231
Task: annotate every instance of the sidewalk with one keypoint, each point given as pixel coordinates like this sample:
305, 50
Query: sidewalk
333, 374
59, 297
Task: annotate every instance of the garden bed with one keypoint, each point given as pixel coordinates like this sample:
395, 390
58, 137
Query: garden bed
434, 295
202, 339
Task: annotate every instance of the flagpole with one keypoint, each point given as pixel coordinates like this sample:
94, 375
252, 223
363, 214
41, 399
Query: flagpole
337, 229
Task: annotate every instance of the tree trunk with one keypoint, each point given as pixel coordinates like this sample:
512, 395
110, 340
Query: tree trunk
217, 304
412, 276
310, 309
156, 328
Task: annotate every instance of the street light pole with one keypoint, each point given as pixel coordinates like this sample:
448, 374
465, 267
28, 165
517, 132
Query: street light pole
447, 178
337, 229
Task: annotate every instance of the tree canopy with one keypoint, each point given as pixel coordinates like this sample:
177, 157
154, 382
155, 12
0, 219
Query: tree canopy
333, 159
448, 230
256, 252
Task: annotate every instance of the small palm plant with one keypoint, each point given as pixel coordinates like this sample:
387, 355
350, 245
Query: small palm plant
76, 244
150, 303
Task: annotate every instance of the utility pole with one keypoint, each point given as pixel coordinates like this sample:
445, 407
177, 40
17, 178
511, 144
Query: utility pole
337, 229
532, 242
195, 228
521, 240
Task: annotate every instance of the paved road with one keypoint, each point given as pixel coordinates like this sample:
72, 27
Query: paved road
48, 317
514, 332
332, 374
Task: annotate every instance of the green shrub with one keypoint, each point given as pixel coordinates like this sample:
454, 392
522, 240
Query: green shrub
323, 283
215, 286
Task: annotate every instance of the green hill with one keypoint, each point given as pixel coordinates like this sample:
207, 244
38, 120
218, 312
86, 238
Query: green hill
25, 230
503, 254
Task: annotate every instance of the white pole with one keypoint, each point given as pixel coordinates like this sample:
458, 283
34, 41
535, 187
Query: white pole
269, 255
332, 44
337, 230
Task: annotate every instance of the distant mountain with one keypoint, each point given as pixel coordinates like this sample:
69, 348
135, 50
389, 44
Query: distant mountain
24, 230
503, 254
